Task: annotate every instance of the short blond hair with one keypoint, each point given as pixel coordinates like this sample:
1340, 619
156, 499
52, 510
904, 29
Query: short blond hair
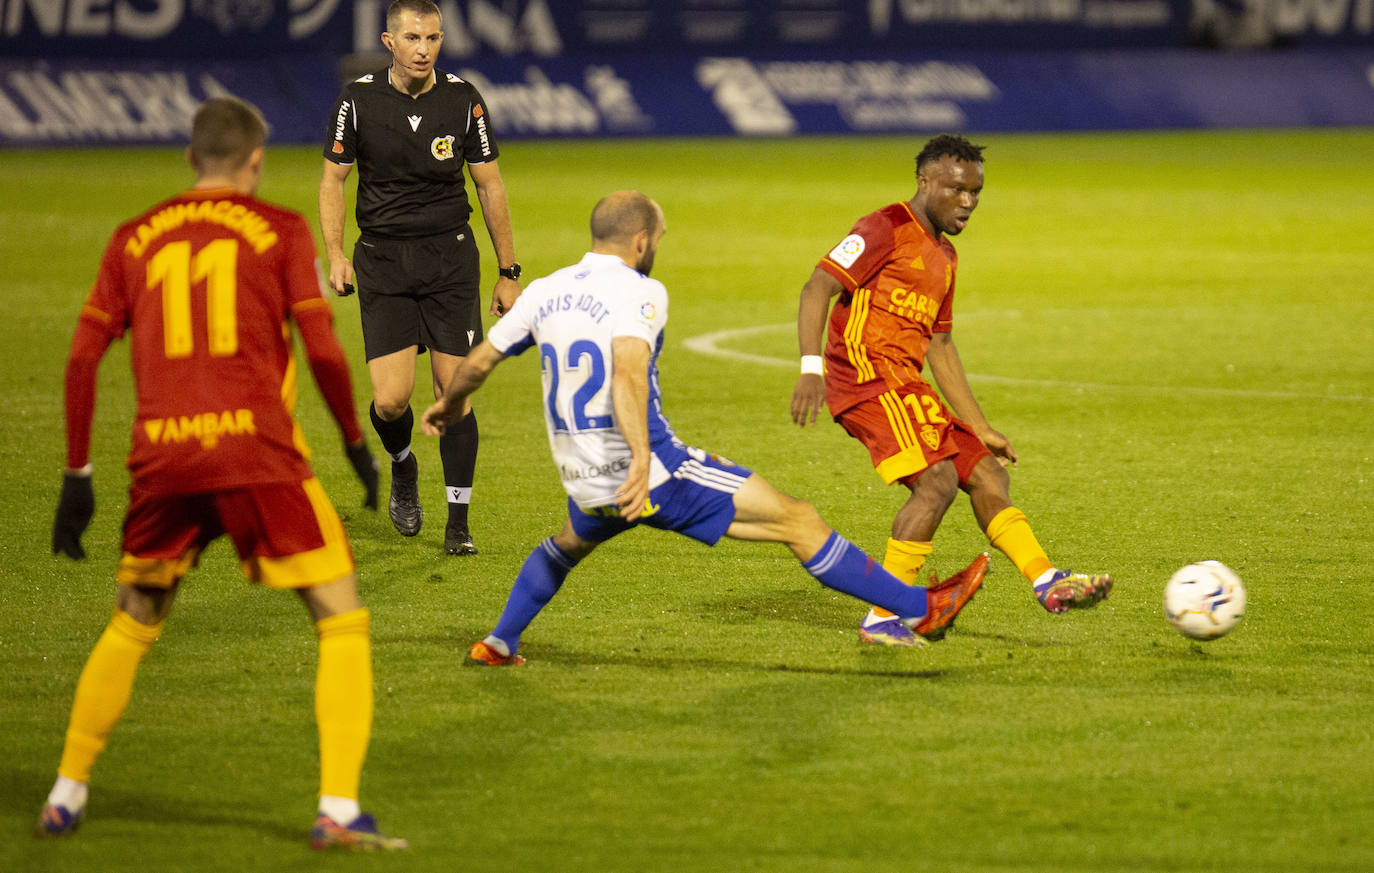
400, 7
225, 132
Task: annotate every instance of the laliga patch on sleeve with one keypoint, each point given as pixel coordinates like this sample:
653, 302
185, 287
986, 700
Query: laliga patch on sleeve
647, 311
848, 251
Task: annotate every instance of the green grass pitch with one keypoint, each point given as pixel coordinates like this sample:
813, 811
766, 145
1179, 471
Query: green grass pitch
1176, 330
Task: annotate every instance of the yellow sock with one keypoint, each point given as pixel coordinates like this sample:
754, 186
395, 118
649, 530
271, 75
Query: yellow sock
1010, 532
103, 691
904, 559
343, 700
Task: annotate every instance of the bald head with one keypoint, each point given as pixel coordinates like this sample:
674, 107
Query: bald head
628, 224
617, 217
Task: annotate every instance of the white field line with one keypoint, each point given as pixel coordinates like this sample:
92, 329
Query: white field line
709, 344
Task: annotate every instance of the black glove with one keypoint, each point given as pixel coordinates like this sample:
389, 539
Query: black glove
366, 468
74, 510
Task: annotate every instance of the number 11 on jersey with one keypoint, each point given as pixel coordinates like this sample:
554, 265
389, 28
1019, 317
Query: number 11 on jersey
175, 270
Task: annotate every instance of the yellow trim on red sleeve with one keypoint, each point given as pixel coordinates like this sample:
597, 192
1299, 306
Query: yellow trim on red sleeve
89, 311
840, 273
312, 304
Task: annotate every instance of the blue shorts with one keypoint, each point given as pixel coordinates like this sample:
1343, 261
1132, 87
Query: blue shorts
697, 501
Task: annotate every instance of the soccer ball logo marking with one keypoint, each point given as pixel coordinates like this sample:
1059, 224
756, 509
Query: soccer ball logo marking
1205, 600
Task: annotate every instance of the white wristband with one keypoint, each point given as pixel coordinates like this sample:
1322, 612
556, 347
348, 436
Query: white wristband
812, 364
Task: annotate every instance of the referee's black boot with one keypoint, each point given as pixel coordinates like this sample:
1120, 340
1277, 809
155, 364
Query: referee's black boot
457, 541
406, 513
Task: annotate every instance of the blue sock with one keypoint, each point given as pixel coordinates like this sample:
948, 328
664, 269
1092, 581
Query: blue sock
843, 566
540, 577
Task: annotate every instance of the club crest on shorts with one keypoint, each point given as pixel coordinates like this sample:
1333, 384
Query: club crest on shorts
442, 147
930, 435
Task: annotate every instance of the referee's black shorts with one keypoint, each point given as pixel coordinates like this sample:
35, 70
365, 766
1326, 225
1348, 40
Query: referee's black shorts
419, 292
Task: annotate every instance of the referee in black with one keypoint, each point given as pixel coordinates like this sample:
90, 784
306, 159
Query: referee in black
410, 129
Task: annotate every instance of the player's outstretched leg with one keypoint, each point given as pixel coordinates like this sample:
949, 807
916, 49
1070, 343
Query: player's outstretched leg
929, 612
764, 513
949, 597
860, 576
494, 652
539, 579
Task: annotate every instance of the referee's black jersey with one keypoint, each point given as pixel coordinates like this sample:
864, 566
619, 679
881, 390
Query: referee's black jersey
410, 152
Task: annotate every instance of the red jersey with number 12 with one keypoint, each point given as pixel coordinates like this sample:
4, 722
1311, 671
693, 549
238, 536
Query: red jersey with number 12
205, 283
898, 291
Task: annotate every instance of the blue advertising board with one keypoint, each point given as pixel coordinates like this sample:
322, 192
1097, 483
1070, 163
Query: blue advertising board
226, 29
612, 29
146, 101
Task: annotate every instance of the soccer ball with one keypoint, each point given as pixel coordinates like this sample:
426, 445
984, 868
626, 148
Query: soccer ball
1205, 600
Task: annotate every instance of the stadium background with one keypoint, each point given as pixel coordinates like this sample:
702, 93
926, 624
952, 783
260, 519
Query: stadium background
94, 72
1173, 325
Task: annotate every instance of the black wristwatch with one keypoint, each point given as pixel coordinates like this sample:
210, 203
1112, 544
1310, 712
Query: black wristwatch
511, 272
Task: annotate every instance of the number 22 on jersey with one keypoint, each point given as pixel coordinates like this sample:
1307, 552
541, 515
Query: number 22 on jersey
579, 352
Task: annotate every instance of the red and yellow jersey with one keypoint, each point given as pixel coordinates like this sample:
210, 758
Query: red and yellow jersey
898, 285
205, 284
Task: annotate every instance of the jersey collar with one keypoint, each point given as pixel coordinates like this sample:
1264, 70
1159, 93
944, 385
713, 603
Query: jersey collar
594, 258
433, 82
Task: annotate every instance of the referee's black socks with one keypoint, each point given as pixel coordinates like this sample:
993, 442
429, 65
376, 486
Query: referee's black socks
395, 435
458, 452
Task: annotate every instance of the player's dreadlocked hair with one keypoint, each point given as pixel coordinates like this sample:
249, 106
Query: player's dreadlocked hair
948, 144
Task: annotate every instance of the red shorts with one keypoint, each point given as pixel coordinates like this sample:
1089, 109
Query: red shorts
287, 535
908, 429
